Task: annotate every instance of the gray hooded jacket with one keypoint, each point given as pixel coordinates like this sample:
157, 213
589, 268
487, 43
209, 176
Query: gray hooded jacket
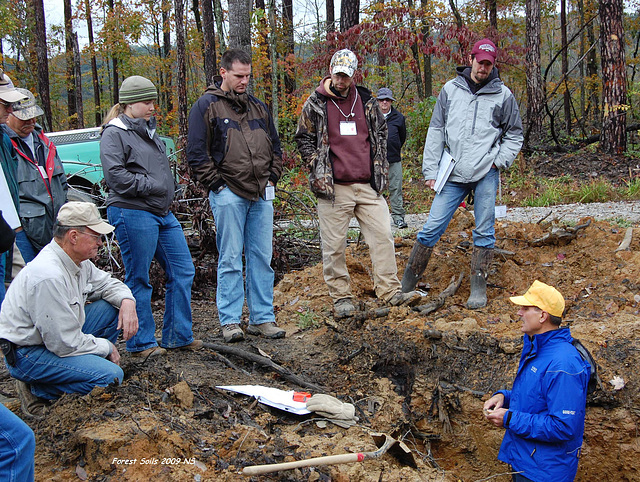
479, 130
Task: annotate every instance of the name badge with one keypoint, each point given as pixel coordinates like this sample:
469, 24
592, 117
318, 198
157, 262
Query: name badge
269, 193
43, 173
348, 128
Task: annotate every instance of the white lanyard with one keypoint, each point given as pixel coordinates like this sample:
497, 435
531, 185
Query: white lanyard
352, 107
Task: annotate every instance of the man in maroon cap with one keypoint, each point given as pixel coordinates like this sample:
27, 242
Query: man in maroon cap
475, 132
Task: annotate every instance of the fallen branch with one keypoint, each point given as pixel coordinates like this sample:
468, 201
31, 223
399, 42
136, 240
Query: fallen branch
265, 362
626, 242
439, 301
559, 235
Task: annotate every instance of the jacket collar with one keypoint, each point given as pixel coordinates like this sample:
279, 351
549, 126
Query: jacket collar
139, 126
239, 102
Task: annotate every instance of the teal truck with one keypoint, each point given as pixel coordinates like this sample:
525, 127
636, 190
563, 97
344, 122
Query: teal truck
79, 151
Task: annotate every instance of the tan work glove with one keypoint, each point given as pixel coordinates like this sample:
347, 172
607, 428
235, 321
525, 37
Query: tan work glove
342, 414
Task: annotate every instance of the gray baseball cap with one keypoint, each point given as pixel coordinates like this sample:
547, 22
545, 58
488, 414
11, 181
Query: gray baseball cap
26, 108
8, 92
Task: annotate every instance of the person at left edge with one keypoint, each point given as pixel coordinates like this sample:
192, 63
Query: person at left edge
41, 178
141, 190
56, 342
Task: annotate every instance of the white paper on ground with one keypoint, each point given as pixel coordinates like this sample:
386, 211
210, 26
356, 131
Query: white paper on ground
501, 211
274, 397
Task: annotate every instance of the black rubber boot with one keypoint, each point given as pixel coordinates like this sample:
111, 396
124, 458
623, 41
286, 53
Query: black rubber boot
480, 261
416, 265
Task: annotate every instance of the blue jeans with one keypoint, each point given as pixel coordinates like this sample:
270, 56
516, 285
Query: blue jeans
240, 222
143, 236
27, 250
50, 375
519, 478
445, 204
17, 448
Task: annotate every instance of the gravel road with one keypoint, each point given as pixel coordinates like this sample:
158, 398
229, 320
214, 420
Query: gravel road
629, 211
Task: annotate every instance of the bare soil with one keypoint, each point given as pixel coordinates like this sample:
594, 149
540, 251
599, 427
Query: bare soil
420, 379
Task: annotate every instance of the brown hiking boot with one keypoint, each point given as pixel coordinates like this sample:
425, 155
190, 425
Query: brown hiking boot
153, 352
268, 330
416, 265
480, 261
343, 308
195, 345
232, 333
32, 406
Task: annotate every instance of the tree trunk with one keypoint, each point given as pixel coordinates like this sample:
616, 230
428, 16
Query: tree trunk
331, 16
217, 13
37, 7
195, 8
94, 65
70, 82
416, 52
78, 81
593, 104
613, 138
349, 14
166, 55
181, 61
287, 14
274, 61
535, 94
492, 6
428, 75
240, 25
565, 66
114, 64
209, 41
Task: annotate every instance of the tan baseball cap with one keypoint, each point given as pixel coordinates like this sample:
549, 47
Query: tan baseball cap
542, 296
85, 214
8, 92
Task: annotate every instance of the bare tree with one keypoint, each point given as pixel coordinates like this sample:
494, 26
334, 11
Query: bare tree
613, 138
167, 80
181, 60
72, 100
287, 18
331, 16
218, 14
209, 41
114, 62
94, 64
37, 7
349, 14
565, 66
240, 24
535, 93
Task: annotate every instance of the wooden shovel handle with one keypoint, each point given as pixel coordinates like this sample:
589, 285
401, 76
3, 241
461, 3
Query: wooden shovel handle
326, 460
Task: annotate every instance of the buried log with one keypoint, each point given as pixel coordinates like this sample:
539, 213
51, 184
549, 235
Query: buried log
440, 299
265, 362
559, 235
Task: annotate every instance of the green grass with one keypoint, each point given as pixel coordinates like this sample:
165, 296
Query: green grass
308, 319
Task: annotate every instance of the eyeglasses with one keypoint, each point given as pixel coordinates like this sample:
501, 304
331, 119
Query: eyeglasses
96, 236
5, 104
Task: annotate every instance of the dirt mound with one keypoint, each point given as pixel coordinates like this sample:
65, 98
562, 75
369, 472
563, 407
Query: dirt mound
420, 379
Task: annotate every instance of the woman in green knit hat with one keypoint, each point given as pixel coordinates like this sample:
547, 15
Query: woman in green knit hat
141, 190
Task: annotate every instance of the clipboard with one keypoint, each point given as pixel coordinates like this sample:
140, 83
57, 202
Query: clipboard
445, 167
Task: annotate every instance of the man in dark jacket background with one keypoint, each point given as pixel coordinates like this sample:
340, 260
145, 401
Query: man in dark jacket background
234, 151
543, 414
396, 135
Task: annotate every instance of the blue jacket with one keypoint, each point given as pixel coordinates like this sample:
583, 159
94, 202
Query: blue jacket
545, 422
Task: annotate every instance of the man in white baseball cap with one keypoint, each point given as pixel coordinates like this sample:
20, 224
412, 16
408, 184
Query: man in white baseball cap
52, 342
342, 136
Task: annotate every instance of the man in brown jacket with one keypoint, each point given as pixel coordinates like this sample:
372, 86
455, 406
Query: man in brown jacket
234, 151
342, 136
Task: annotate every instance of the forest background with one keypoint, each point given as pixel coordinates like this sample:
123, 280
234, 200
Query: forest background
571, 64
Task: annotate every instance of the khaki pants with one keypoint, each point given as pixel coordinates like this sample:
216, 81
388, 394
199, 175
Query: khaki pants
372, 213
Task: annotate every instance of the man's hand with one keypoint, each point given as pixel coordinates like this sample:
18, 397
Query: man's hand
496, 416
493, 410
430, 183
114, 356
127, 319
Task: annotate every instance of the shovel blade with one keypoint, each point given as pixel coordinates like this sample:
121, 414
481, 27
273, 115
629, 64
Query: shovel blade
398, 449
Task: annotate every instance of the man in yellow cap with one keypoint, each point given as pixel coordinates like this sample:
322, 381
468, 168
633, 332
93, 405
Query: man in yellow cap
543, 414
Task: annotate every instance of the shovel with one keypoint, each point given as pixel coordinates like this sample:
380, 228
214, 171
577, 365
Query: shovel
384, 442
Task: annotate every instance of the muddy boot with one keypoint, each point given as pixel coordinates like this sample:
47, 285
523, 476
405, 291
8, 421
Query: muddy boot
416, 265
480, 261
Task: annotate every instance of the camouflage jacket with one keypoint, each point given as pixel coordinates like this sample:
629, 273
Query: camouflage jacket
312, 138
